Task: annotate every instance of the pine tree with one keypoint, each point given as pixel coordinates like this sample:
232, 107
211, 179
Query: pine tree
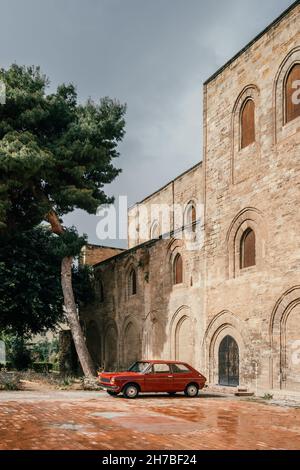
56, 155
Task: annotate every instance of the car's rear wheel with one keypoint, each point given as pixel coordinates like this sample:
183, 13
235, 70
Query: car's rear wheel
131, 391
111, 393
191, 391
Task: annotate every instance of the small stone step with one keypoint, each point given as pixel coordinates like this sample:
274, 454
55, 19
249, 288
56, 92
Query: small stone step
244, 394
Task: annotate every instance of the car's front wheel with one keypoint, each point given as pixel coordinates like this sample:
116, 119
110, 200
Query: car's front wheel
191, 391
131, 391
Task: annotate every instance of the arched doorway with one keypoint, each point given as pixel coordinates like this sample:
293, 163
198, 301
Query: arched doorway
290, 350
184, 340
153, 338
132, 345
284, 335
110, 349
94, 343
229, 362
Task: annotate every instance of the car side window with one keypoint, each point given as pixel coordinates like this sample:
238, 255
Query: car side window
161, 369
180, 369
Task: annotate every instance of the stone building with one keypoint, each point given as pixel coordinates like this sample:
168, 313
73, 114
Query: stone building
150, 297
227, 301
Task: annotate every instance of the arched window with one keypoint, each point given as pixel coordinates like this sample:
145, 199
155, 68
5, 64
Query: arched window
292, 95
191, 216
132, 282
247, 249
99, 289
248, 123
178, 270
154, 235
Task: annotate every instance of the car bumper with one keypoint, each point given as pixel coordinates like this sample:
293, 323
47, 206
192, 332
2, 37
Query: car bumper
112, 388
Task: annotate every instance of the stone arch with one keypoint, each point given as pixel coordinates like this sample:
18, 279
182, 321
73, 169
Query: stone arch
111, 354
250, 92
284, 334
182, 330
129, 267
175, 248
224, 324
281, 129
249, 218
94, 343
291, 108
155, 231
99, 285
132, 282
188, 218
153, 336
248, 112
131, 343
129, 263
229, 362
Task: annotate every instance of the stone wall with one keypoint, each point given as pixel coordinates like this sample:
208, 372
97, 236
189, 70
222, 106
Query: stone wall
93, 254
257, 187
165, 208
161, 320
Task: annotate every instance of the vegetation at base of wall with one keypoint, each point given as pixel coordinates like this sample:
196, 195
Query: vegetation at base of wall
42, 367
9, 381
268, 397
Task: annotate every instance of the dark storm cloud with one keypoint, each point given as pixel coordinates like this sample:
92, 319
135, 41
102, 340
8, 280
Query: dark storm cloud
153, 55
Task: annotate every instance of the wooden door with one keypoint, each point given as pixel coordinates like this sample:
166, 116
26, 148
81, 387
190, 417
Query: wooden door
229, 362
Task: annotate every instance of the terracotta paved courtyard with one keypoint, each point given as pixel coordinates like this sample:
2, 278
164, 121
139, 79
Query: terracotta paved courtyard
93, 420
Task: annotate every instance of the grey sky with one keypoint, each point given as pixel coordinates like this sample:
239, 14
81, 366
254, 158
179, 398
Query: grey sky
153, 55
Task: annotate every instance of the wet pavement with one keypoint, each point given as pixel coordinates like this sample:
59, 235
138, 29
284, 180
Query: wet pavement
94, 420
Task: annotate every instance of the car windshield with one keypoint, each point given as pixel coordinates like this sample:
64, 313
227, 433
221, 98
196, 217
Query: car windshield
139, 367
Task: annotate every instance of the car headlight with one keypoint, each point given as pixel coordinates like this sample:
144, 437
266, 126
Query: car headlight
112, 380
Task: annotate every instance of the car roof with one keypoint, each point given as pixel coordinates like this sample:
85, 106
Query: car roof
163, 362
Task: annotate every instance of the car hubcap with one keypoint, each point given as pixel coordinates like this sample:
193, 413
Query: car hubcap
131, 391
192, 390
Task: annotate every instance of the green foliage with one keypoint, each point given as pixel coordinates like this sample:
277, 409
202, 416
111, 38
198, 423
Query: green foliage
22, 354
83, 284
18, 353
54, 153
69, 243
30, 289
42, 367
268, 397
45, 351
31, 299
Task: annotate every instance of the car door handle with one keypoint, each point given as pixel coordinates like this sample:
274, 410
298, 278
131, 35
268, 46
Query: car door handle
170, 376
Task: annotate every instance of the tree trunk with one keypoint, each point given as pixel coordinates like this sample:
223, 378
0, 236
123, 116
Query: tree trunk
70, 305
73, 320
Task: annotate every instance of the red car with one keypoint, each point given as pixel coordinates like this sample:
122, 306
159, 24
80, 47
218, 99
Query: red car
153, 376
